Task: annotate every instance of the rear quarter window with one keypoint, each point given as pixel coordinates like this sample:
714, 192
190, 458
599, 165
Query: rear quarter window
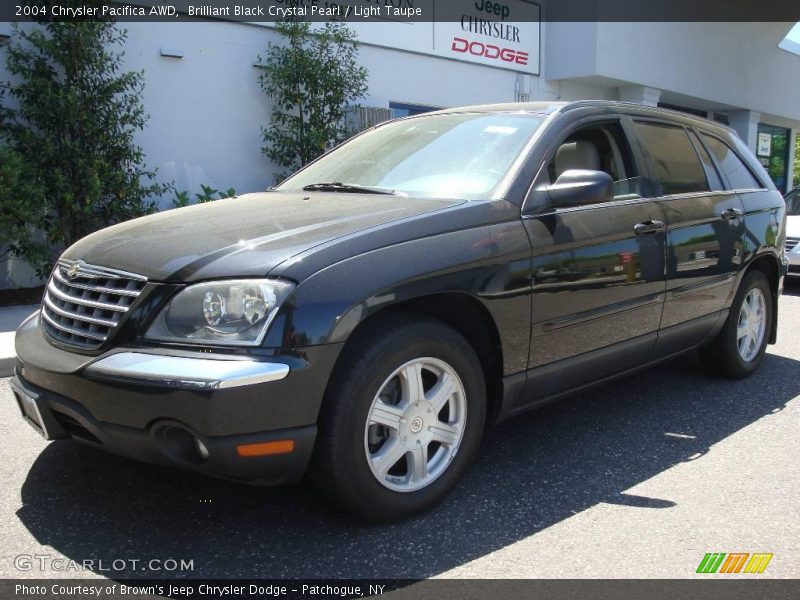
738, 173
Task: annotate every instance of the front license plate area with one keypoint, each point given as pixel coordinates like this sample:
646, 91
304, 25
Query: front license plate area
29, 405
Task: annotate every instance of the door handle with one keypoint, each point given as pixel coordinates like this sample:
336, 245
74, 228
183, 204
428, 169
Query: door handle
731, 213
648, 227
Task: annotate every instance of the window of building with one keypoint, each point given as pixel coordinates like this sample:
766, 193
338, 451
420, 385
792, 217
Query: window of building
691, 111
738, 174
400, 109
677, 164
773, 152
722, 118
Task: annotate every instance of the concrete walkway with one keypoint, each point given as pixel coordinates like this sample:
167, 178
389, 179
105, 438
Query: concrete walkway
10, 319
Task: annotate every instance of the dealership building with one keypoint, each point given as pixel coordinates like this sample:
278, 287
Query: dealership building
207, 109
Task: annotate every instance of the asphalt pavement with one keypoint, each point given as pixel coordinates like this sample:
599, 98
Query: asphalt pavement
636, 479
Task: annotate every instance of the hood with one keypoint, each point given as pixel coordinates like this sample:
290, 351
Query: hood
793, 226
240, 237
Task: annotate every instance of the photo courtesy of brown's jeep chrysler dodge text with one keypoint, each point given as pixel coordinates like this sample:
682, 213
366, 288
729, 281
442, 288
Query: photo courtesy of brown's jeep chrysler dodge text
362, 323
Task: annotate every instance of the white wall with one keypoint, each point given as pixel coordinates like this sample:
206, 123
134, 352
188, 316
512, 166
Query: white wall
738, 65
207, 109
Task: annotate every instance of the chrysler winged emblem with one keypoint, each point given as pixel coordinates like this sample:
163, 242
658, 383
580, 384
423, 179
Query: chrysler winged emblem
73, 270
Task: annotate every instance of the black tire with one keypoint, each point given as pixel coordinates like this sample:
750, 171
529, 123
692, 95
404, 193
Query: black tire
339, 468
722, 356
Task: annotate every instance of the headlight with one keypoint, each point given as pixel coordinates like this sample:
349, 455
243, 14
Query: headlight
231, 313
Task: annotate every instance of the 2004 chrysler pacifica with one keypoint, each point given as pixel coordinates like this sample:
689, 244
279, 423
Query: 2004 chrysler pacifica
363, 322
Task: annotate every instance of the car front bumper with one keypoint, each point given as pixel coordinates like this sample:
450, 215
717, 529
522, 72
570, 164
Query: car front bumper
245, 417
793, 257
792, 249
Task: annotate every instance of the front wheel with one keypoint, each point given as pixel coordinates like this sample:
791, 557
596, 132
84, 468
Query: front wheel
401, 421
741, 344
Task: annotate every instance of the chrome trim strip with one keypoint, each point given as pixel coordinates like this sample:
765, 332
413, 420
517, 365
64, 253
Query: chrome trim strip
87, 270
82, 301
184, 372
76, 316
85, 334
95, 288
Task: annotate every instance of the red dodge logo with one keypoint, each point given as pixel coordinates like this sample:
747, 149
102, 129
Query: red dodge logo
491, 51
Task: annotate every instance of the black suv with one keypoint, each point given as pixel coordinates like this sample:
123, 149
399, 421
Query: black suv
365, 320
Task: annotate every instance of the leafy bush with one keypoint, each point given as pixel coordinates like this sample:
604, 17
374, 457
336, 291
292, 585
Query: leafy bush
22, 205
182, 198
313, 80
210, 194
72, 122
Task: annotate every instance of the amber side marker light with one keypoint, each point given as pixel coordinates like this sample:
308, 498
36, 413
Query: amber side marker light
266, 448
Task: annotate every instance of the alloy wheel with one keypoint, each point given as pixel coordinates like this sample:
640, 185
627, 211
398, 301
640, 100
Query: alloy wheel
415, 424
752, 324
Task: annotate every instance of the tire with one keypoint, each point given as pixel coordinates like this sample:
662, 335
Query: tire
352, 461
724, 356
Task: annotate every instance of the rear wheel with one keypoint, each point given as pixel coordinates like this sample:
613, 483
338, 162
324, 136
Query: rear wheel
401, 421
741, 344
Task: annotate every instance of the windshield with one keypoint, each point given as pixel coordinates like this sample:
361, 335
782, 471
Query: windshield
793, 203
444, 156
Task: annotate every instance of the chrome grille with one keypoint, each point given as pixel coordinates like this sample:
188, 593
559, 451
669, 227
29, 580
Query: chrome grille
83, 304
791, 242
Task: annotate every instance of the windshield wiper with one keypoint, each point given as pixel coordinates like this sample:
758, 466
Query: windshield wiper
338, 186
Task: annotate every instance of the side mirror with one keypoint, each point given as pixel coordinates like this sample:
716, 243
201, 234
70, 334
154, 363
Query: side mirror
580, 186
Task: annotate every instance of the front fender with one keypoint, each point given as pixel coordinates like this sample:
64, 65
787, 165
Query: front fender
491, 263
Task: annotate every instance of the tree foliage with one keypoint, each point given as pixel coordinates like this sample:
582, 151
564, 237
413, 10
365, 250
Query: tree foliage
20, 208
71, 114
313, 80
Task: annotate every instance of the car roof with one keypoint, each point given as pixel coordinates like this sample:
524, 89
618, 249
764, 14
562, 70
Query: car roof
548, 108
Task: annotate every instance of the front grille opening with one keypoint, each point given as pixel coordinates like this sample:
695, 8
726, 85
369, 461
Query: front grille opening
75, 429
84, 304
791, 243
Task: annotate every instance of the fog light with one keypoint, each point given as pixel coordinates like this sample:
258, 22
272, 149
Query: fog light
201, 449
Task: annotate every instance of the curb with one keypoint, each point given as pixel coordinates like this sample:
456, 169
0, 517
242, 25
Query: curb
8, 357
10, 318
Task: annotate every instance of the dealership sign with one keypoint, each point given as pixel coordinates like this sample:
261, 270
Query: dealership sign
496, 33
502, 34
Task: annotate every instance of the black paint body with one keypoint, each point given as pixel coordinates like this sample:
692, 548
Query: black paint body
557, 299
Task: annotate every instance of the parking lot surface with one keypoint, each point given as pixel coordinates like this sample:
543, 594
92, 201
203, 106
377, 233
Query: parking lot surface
639, 478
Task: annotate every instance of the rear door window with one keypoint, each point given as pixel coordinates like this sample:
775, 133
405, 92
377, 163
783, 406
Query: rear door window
739, 174
714, 181
677, 164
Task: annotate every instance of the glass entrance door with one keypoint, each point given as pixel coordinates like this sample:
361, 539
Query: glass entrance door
772, 150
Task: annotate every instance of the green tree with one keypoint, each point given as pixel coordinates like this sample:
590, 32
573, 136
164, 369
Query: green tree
313, 80
21, 205
71, 116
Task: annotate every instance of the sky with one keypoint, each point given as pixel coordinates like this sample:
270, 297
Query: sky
791, 43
